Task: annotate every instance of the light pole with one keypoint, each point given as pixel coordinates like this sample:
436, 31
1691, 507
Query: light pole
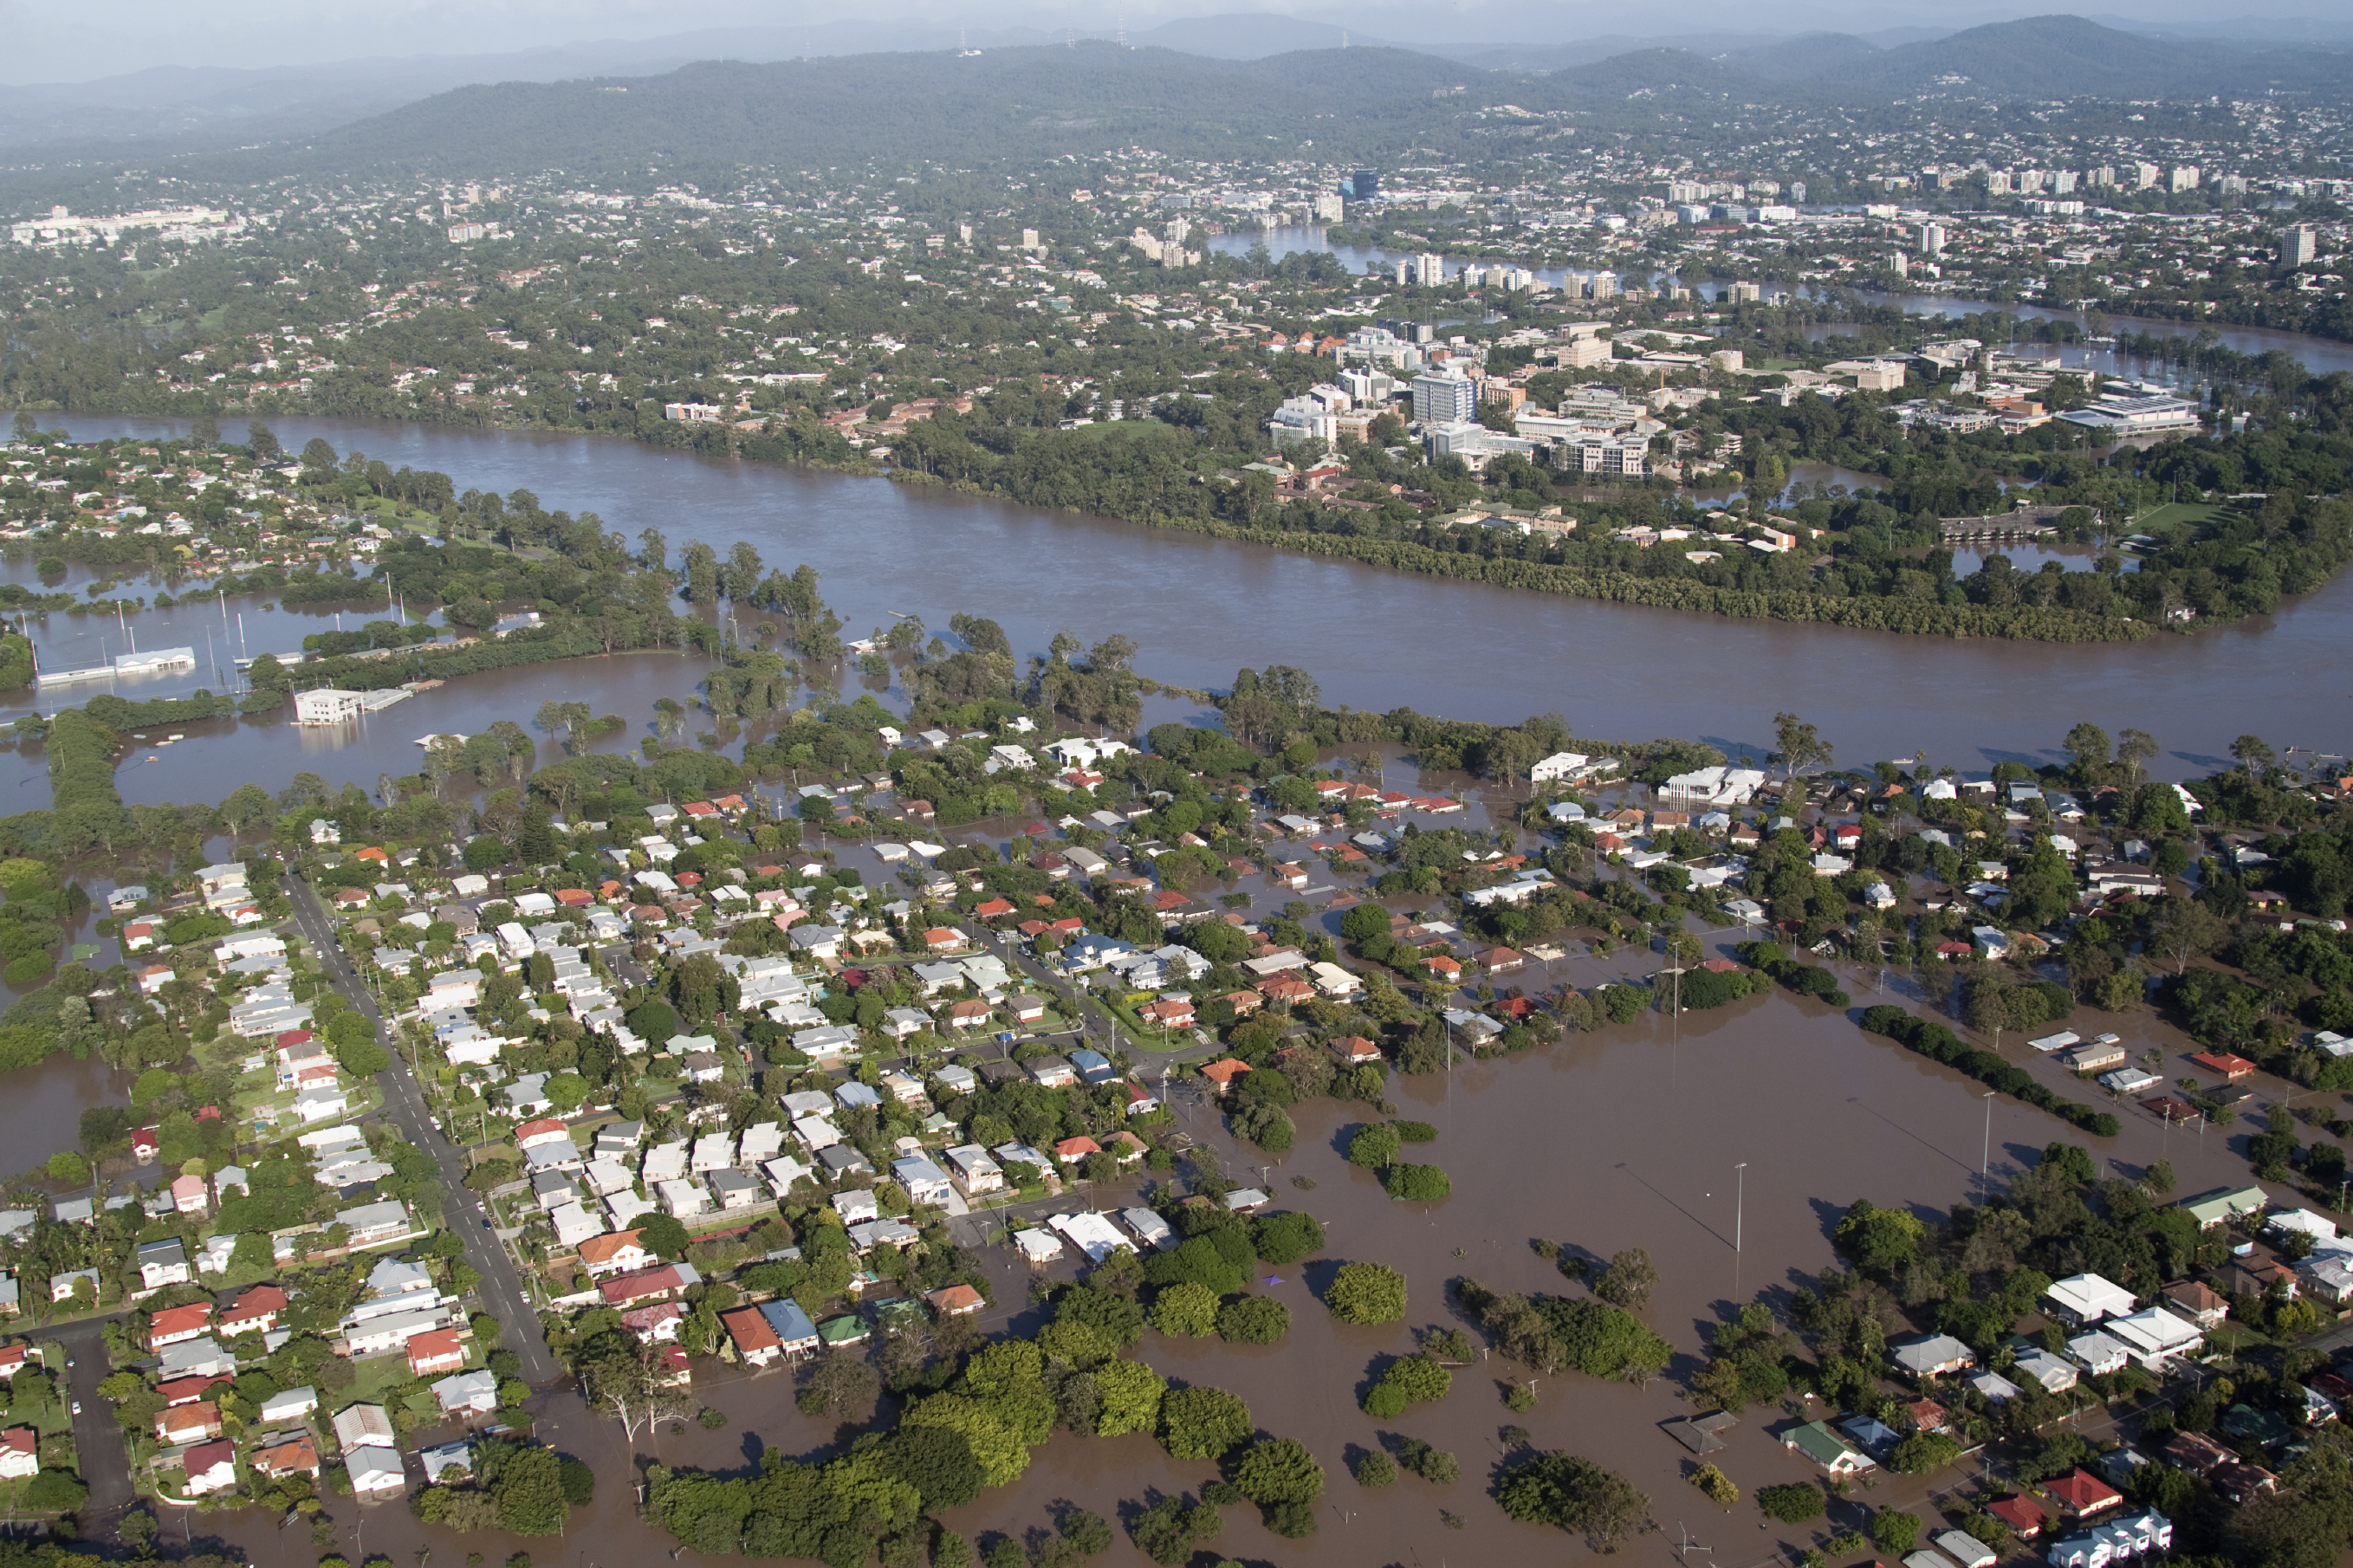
1739, 1203
1985, 1149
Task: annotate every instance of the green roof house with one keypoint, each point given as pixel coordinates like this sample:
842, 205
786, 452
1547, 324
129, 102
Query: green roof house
1825, 1447
2223, 1206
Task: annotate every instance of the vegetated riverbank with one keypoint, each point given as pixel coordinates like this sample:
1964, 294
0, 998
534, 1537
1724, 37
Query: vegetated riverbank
1928, 617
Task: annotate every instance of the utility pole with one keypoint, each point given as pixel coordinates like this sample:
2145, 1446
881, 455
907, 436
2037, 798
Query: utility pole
1739, 1203
1985, 1149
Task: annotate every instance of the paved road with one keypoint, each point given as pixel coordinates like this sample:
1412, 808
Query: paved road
403, 1101
105, 1462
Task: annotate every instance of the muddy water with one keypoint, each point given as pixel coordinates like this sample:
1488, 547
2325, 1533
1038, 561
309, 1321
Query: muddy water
1200, 607
1630, 1137
41, 1115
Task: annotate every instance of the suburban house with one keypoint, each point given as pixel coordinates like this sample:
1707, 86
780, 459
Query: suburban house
294, 1456
256, 1309
796, 1334
617, 1253
2223, 1204
2083, 1494
188, 1423
1933, 1357
1814, 1440
2085, 1299
208, 1467
174, 1324
756, 1343
435, 1352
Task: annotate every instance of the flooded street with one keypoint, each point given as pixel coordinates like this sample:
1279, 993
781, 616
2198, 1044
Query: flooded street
1200, 607
1627, 1137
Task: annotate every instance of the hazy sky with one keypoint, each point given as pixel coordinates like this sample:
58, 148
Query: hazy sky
46, 41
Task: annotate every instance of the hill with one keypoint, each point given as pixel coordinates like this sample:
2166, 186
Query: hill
966, 110
2067, 57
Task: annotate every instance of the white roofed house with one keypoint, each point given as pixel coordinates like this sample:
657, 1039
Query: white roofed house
925, 1182
2098, 1353
2086, 1299
975, 1172
2155, 1336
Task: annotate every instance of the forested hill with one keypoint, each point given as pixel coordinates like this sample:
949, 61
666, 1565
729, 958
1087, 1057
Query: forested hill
961, 111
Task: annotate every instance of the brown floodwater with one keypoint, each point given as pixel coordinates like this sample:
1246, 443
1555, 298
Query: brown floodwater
1200, 608
1627, 1137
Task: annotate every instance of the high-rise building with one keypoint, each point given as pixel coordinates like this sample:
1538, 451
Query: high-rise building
1440, 397
2062, 181
1028, 239
1429, 271
1931, 239
2146, 175
2299, 245
1329, 209
2185, 178
1362, 185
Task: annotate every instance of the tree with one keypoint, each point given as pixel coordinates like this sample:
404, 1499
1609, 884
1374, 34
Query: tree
1286, 1238
1573, 1494
2134, 748
1416, 1183
55, 1491
1375, 1146
1881, 1239
1253, 1320
1375, 1470
838, 1381
2089, 745
664, 1236
1801, 747
1366, 1293
1895, 1532
1629, 1280
1364, 922
1279, 1470
1166, 1532
1719, 1487
1792, 1504
1188, 1310
1130, 1393
2254, 758
1923, 1452
1410, 1380
528, 1482
2186, 928
1202, 1423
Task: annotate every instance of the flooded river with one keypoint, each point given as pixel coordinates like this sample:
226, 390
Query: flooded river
1200, 608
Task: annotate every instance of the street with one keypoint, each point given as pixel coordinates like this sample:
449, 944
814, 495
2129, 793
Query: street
105, 1459
500, 1289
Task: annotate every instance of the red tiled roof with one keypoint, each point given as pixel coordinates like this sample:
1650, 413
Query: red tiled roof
2083, 1491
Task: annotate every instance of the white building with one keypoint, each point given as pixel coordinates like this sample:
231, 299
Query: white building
328, 706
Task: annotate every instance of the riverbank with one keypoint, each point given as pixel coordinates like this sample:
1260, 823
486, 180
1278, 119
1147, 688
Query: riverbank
1924, 618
